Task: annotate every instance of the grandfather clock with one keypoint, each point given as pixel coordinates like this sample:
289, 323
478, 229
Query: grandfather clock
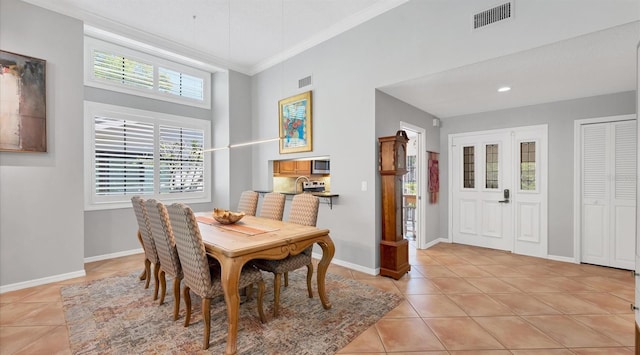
394, 249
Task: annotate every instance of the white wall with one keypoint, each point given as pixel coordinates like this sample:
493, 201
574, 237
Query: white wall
559, 116
41, 195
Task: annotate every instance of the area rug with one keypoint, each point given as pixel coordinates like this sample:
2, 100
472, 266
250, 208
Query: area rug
117, 315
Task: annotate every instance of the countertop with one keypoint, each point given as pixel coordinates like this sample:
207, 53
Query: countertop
319, 194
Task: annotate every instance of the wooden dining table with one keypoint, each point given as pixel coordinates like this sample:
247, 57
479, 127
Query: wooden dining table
258, 238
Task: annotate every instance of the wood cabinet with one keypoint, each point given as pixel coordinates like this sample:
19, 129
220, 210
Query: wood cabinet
394, 249
292, 168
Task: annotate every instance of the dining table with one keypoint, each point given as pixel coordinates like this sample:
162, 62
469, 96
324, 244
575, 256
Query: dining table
233, 245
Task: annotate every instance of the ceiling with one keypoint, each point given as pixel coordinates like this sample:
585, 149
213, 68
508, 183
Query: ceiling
251, 35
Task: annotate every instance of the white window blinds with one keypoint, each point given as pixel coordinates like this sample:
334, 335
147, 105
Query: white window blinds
181, 84
123, 157
122, 70
181, 159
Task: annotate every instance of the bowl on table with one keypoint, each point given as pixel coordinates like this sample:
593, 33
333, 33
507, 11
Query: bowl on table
226, 216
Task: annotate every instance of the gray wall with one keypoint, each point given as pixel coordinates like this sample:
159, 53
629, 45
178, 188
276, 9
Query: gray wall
113, 231
389, 112
41, 195
560, 117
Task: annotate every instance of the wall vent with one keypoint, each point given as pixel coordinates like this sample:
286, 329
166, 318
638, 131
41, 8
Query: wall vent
306, 81
493, 15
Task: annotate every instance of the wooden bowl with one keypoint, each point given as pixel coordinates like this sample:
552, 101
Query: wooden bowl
226, 217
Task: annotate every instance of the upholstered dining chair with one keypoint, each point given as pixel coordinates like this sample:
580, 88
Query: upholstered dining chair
272, 206
248, 203
304, 210
199, 275
166, 249
148, 244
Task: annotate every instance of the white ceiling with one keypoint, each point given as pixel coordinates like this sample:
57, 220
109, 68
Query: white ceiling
251, 35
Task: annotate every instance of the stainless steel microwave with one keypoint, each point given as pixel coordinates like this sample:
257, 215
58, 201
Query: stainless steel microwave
320, 166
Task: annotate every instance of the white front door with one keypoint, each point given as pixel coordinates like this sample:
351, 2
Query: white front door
498, 189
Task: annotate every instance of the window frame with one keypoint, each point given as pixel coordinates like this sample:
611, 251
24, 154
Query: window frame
93, 44
92, 201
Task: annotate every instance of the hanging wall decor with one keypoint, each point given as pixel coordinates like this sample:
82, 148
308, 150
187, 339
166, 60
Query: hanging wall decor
295, 123
23, 108
434, 179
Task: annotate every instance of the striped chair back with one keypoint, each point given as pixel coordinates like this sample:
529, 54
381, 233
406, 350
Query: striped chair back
163, 237
273, 206
144, 227
193, 256
304, 209
248, 203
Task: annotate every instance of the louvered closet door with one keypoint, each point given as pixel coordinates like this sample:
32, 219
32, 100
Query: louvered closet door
608, 193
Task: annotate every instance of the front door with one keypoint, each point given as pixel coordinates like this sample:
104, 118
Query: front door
498, 189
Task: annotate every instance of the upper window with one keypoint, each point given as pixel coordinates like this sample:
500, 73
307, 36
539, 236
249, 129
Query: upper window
132, 152
117, 68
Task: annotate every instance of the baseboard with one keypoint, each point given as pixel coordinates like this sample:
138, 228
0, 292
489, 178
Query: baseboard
42, 281
113, 255
566, 259
349, 265
436, 241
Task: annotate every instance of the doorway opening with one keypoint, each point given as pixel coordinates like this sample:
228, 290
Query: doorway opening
413, 186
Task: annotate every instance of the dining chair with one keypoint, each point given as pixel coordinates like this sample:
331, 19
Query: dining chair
304, 211
248, 203
148, 244
203, 278
272, 206
166, 249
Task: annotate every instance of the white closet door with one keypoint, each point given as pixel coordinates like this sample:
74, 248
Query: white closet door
623, 197
608, 193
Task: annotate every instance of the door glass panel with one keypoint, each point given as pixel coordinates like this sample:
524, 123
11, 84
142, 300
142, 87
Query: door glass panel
468, 167
491, 170
528, 166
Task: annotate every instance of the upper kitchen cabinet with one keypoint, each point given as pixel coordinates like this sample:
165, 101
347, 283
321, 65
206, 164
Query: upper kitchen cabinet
292, 168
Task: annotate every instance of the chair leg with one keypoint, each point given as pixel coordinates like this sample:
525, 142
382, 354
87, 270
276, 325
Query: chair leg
176, 296
309, 275
263, 319
286, 279
206, 318
276, 294
156, 272
143, 275
163, 286
249, 292
187, 305
147, 272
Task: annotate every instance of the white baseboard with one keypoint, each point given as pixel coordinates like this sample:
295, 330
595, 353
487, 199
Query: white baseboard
42, 281
436, 241
113, 255
349, 265
566, 259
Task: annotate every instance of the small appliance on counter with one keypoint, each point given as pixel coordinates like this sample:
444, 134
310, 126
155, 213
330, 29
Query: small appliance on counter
313, 186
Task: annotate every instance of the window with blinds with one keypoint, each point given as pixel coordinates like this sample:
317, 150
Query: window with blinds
121, 69
134, 152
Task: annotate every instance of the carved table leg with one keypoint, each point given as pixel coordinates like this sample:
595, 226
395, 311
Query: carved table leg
328, 249
230, 279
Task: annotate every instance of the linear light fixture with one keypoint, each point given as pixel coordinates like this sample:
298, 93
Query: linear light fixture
241, 144
504, 89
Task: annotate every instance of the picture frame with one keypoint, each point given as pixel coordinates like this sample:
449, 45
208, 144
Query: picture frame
23, 113
295, 122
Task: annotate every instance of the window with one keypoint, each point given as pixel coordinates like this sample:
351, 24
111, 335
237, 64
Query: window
528, 166
491, 166
468, 167
117, 68
133, 152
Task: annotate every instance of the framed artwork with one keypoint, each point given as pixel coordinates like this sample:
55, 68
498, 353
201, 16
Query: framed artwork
23, 113
295, 123
434, 177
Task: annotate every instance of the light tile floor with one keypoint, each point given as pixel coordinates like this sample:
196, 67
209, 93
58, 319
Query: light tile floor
458, 300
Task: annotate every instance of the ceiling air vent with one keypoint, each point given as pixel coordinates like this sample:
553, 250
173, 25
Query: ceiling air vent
493, 15
306, 81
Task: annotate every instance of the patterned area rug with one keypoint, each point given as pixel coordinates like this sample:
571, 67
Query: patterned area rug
118, 316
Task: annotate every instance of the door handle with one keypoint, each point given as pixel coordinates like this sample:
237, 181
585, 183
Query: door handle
505, 193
